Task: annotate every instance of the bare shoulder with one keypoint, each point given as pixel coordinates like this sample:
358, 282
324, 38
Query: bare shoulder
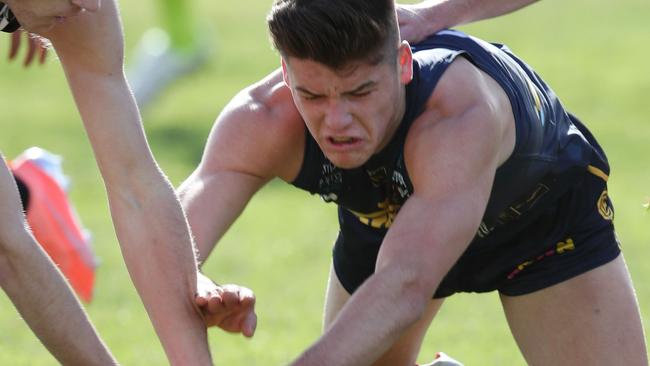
467, 124
259, 132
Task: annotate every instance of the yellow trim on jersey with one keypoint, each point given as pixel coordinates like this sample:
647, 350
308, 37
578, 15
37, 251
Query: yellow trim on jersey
597, 172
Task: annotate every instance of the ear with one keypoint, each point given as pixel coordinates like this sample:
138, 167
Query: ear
405, 62
285, 73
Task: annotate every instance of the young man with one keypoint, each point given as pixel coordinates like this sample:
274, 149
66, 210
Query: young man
149, 221
455, 169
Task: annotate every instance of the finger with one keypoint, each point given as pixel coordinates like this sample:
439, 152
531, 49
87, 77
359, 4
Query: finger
200, 301
230, 298
207, 295
15, 44
246, 296
31, 51
43, 54
215, 306
249, 325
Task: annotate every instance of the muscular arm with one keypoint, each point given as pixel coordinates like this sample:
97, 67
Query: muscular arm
233, 168
258, 136
419, 20
452, 152
149, 222
39, 291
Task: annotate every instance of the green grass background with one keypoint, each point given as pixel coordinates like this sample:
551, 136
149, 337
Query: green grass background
594, 54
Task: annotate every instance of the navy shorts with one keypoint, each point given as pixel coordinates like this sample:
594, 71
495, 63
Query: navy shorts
571, 236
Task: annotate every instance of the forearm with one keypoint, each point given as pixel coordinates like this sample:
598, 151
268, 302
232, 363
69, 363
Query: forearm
157, 249
372, 320
450, 13
46, 302
150, 225
39, 291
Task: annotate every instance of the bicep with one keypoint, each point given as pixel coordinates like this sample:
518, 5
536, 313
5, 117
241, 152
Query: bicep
245, 147
212, 201
452, 153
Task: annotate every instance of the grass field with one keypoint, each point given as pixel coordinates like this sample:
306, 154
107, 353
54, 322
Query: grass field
594, 55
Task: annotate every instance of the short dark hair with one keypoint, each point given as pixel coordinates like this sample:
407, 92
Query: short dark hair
334, 32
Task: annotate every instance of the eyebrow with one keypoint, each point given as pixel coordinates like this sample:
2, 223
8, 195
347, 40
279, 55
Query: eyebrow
361, 87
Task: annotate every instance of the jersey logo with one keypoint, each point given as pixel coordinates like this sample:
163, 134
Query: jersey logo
330, 182
382, 219
604, 207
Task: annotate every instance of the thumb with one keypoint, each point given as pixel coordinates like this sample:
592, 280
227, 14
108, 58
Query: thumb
250, 324
90, 5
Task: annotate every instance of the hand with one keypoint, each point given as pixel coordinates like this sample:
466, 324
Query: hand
414, 25
229, 307
36, 47
41, 15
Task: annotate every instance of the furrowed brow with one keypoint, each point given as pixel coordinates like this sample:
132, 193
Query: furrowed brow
361, 87
307, 92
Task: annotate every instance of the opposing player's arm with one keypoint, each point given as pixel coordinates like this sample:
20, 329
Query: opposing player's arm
258, 136
39, 291
150, 225
452, 153
419, 20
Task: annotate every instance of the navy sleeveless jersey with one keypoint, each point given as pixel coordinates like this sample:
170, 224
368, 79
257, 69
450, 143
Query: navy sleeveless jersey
552, 152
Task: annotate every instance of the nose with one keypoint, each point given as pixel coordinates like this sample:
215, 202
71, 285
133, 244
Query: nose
338, 116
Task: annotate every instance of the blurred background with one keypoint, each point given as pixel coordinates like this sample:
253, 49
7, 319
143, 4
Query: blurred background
594, 54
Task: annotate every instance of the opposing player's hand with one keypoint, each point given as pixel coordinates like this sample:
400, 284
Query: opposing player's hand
41, 15
229, 307
36, 49
411, 21
414, 25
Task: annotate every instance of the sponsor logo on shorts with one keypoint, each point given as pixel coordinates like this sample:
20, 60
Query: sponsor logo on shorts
604, 207
560, 248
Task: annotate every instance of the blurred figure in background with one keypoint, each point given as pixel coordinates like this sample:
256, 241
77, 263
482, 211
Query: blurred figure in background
166, 54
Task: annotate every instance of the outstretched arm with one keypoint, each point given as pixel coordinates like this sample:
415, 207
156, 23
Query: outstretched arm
39, 291
419, 20
452, 180
149, 222
258, 136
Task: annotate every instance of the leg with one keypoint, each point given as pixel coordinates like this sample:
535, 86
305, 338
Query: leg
406, 349
592, 319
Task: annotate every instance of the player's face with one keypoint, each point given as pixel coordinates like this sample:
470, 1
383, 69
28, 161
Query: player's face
352, 113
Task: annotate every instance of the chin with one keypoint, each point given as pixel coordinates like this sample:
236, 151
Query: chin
347, 162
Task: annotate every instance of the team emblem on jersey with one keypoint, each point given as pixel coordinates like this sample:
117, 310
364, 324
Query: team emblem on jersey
604, 206
330, 182
381, 219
